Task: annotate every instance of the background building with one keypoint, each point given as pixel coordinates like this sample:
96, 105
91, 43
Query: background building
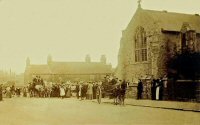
63, 71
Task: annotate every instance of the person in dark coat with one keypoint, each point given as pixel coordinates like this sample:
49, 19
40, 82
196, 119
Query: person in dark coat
139, 90
123, 91
161, 89
153, 90
83, 91
117, 93
77, 90
18, 92
95, 90
113, 81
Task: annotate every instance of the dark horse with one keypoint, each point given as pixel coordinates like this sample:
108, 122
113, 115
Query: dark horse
31, 89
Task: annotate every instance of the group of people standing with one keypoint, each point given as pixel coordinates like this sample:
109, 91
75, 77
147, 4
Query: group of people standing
60, 90
157, 89
9, 91
87, 90
113, 88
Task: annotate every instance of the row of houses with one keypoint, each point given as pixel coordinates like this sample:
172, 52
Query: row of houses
63, 71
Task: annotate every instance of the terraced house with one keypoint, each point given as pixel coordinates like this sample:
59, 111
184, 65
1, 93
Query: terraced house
56, 71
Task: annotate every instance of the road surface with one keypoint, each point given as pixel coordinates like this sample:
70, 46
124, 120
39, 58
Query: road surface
70, 111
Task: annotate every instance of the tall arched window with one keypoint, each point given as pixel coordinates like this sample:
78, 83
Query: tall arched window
140, 45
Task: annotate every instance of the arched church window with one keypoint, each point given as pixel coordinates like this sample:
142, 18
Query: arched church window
140, 45
188, 40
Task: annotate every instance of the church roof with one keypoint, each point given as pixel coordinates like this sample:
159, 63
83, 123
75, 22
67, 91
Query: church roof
171, 21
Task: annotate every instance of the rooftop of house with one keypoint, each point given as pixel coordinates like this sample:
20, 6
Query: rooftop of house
70, 68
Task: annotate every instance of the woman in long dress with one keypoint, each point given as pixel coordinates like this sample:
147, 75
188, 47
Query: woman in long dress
90, 91
157, 90
62, 92
68, 92
80, 90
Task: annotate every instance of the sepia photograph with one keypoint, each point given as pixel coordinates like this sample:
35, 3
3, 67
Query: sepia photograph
99, 62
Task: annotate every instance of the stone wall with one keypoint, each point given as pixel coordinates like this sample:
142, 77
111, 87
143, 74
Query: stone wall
132, 92
168, 46
136, 71
127, 67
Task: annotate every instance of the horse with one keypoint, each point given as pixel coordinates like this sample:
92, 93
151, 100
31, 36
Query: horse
31, 90
40, 90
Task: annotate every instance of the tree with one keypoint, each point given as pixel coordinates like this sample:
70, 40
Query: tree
185, 65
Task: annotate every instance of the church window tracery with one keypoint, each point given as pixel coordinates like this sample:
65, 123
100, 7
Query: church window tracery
140, 45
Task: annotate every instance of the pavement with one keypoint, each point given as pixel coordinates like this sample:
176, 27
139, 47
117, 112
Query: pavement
174, 105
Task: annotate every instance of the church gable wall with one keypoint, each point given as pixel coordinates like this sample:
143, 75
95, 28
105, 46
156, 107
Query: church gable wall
161, 46
133, 70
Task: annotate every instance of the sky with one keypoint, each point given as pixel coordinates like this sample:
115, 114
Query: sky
68, 30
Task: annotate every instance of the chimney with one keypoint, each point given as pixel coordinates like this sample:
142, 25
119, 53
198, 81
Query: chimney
28, 62
49, 59
103, 59
87, 58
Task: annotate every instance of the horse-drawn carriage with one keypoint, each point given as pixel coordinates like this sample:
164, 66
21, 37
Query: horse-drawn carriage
39, 88
114, 90
106, 89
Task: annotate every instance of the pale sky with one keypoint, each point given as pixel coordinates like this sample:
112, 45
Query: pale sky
69, 29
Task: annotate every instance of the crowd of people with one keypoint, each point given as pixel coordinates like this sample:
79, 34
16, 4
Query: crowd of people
109, 87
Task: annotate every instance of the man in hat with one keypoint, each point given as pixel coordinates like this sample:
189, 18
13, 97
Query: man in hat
123, 91
99, 92
77, 90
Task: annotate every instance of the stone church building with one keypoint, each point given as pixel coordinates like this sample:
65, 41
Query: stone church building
151, 38
55, 71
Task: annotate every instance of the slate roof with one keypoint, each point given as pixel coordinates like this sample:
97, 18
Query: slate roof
79, 68
38, 69
70, 68
170, 21
173, 21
